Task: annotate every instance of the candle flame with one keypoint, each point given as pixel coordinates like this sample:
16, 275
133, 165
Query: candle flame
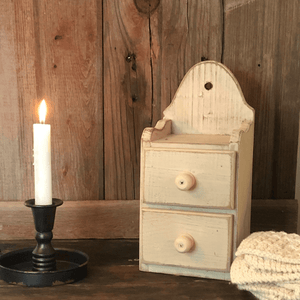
42, 111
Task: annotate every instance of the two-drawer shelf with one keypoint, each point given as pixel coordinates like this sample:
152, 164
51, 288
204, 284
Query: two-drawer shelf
196, 170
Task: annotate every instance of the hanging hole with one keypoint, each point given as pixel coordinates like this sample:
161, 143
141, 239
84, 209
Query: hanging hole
208, 86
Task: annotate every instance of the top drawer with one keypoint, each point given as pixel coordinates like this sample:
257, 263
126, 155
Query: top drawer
201, 178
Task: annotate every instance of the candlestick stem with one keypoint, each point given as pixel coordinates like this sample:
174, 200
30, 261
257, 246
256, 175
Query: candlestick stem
43, 256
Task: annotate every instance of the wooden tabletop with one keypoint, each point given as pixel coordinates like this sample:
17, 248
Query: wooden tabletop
113, 273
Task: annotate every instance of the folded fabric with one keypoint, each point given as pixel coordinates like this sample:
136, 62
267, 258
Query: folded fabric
268, 265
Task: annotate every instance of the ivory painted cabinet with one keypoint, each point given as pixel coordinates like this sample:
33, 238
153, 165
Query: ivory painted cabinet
196, 170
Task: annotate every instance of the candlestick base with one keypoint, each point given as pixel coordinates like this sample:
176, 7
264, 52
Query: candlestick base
16, 268
43, 265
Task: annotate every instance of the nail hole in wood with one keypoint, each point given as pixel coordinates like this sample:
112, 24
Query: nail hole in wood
259, 65
55, 66
134, 98
128, 58
208, 86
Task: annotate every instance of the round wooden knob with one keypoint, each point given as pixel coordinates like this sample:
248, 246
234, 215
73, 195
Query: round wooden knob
184, 243
185, 181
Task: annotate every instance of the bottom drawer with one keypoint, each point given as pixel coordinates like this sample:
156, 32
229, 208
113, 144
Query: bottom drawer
186, 239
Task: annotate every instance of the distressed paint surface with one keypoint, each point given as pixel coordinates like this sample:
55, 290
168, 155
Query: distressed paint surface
214, 174
192, 184
217, 108
161, 228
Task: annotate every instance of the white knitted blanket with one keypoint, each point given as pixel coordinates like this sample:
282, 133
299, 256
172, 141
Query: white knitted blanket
268, 265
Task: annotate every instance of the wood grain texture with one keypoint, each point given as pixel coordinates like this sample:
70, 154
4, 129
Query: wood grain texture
74, 220
182, 34
244, 188
214, 173
159, 131
127, 95
52, 51
190, 139
70, 39
10, 161
195, 141
120, 219
18, 82
113, 274
148, 48
212, 234
261, 47
208, 101
276, 215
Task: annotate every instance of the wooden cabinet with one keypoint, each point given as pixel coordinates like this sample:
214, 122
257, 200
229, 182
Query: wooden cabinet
196, 170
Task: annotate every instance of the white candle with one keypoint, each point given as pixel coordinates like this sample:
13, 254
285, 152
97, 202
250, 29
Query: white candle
42, 159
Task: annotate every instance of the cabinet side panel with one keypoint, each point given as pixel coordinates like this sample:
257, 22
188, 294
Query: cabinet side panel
244, 188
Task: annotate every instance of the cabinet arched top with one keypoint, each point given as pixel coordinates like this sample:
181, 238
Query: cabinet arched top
209, 100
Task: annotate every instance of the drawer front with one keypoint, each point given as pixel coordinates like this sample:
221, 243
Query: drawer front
205, 239
207, 177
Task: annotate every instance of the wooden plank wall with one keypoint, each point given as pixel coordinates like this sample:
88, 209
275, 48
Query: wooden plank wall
262, 48
54, 50
108, 68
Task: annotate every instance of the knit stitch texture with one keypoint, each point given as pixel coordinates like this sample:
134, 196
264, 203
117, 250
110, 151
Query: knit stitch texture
268, 265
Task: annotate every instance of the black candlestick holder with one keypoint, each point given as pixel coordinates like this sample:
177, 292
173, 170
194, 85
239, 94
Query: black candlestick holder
43, 265
43, 256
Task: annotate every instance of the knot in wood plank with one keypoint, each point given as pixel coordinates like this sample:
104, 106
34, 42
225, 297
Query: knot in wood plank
146, 6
